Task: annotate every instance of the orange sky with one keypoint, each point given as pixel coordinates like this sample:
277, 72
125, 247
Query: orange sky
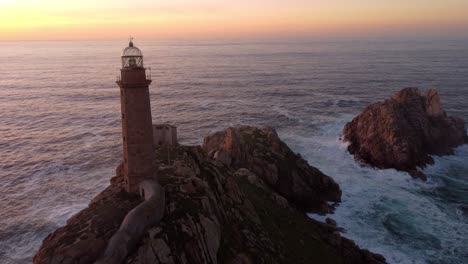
108, 19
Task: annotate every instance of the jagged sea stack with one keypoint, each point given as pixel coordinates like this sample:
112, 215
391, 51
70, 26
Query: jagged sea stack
404, 131
137, 130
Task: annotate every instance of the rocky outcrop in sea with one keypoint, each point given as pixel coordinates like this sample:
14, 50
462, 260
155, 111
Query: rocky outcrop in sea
404, 131
240, 198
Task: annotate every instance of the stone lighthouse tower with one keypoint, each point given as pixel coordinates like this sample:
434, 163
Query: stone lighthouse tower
136, 118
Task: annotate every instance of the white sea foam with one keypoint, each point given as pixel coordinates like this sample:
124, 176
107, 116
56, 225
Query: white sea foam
386, 211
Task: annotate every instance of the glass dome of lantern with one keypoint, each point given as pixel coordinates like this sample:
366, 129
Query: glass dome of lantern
132, 57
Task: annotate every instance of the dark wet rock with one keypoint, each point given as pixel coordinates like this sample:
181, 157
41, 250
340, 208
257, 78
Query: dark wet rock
404, 131
330, 221
262, 152
214, 213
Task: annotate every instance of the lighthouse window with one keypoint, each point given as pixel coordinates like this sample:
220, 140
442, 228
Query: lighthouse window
132, 62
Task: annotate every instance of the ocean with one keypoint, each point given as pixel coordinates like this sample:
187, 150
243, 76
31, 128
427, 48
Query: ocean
60, 128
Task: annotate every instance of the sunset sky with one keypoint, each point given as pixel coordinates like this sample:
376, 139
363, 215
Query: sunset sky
110, 19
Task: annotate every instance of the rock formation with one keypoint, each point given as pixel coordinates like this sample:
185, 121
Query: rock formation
135, 223
262, 152
403, 131
86, 234
217, 213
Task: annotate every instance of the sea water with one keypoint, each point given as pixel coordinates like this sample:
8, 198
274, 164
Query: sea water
60, 128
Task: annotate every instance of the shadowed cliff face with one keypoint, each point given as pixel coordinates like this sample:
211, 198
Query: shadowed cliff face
262, 152
404, 131
214, 213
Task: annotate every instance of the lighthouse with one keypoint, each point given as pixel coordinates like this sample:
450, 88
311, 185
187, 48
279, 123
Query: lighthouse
137, 133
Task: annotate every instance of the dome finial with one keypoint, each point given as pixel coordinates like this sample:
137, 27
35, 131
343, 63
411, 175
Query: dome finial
130, 39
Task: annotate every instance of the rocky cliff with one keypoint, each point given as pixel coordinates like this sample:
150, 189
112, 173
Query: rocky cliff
238, 199
404, 131
262, 152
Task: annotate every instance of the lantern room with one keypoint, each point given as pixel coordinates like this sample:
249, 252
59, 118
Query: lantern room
132, 57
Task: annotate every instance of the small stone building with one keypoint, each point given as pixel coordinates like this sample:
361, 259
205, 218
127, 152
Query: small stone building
164, 135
